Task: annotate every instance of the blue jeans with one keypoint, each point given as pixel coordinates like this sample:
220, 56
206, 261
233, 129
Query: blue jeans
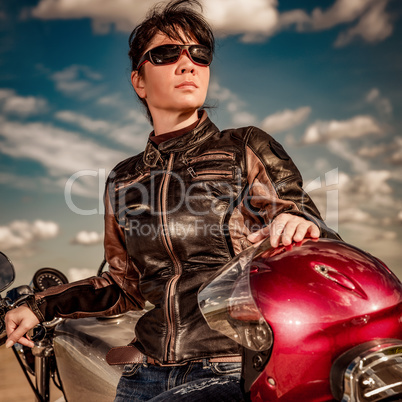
190, 382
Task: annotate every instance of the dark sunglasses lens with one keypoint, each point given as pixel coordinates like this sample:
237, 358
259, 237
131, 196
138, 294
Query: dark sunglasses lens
201, 54
165, 54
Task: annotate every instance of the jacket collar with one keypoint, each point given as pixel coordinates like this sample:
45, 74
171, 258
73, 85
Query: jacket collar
180, 144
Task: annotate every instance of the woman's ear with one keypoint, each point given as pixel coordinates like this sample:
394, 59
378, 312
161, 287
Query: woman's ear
137, 82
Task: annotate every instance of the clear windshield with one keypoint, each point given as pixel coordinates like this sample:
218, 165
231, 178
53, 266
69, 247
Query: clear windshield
228, 306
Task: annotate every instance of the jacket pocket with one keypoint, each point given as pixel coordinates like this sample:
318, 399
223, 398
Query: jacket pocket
217, 155
212, 174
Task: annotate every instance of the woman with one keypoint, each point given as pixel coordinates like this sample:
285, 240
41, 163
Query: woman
174, 214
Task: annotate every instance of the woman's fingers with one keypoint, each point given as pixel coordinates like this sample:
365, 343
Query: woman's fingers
286, 228
18, 322
259, 235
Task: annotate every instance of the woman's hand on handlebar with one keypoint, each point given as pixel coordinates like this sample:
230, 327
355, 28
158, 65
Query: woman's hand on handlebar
18, 322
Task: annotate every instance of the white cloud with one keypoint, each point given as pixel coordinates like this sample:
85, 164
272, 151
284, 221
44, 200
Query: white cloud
128, 113
86, 238
215, 91
77, 274
373, 22
285, 120
322, 164
368, 191
356, 127
377, 240
82, 121
137, 116
366, 211
254, 20
252, 17
63, 153
131, 135
365, 197
232, 103
5, 93
355, 214
396, 157
134, 126
373, 151
343, 150
372, 95
19, 234
342, 11
79, 81
23, 106
371, 184
60, 151
30, 183
374, 26
124, 14
109, 100
382, 104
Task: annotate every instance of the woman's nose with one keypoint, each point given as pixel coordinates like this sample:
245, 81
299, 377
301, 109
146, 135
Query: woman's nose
185, 64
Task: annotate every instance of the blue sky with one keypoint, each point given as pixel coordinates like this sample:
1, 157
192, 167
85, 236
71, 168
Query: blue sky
323, 77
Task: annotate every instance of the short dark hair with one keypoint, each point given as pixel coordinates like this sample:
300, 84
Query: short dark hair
177, 20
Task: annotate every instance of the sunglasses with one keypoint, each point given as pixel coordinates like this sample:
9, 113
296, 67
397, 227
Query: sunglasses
169, 54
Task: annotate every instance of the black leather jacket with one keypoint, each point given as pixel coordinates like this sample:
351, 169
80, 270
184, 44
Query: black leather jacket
174, 215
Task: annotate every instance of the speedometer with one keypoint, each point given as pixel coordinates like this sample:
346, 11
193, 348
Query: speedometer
45, 278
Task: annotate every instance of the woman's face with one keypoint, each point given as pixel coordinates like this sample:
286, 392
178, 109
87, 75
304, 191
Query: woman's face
176, 88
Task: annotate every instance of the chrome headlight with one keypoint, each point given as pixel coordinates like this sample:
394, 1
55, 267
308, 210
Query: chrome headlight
369, 372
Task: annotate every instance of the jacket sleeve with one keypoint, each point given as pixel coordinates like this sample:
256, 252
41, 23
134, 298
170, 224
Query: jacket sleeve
275, 183
116, 291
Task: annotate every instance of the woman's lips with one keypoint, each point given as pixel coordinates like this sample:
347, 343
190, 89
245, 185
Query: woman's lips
187, 84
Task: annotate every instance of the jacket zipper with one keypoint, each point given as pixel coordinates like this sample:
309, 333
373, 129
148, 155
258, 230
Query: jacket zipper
171, 285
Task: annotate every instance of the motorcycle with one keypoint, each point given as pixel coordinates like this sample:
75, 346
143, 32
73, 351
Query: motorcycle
70, 353
319, 320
